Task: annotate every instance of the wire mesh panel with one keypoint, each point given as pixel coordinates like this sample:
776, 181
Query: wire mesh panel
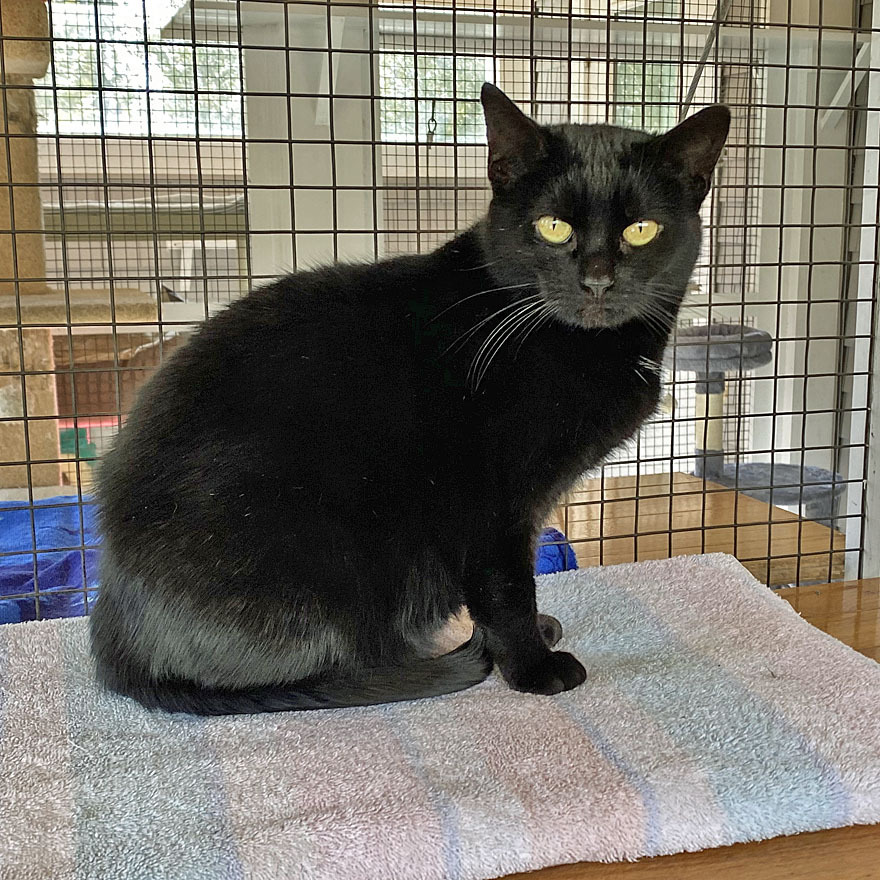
158, 159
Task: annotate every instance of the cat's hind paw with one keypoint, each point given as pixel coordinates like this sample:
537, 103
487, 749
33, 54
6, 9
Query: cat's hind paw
551, 629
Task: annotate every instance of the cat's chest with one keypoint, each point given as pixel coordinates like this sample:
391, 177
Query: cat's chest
567, 420
605, 390
590, 418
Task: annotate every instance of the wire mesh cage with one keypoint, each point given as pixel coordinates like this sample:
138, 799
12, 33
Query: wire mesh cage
159, 159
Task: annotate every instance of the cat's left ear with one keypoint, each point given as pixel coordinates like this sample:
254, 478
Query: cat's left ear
516, 143
696, 144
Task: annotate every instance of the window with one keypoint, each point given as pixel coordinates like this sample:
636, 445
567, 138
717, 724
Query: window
438, 114
646, 94
106, 55
658, 10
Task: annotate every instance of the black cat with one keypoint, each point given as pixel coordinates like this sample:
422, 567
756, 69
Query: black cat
339, 461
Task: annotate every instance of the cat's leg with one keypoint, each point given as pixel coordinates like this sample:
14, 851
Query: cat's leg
501, 599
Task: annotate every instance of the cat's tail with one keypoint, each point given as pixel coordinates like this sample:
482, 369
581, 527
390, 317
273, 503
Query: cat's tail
467, 665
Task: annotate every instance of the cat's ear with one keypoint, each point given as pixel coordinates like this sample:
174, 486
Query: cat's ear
516, 143
695, 145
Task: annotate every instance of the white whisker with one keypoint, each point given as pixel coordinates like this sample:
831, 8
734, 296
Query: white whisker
544, 313
470, 332
649, 364
482, 265
479, 293
495, 341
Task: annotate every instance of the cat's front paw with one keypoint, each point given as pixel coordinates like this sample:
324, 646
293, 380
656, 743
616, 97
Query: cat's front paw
557, 671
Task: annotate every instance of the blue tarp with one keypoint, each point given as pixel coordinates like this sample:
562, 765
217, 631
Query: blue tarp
554, 557
47, 535
44, 538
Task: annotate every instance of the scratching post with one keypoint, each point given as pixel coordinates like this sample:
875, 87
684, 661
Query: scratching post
710, 351
709, 426
25, 296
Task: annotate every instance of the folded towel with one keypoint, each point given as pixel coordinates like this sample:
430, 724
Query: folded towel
712, 714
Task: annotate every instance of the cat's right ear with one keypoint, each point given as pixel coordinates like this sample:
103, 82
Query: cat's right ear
516, 143
695, 146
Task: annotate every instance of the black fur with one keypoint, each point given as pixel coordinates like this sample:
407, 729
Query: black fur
338, 462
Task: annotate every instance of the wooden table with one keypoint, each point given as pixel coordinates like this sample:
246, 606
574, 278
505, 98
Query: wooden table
655, 516
850, 611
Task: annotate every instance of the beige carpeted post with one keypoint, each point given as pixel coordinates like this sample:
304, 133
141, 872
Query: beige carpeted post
25, 296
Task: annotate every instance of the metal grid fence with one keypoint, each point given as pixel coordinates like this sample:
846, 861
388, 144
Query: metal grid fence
158, 159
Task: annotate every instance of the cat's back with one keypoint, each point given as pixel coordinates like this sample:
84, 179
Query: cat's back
302, 371
300, 336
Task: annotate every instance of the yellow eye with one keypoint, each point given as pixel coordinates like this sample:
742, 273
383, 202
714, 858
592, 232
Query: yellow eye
554, 230
641, 232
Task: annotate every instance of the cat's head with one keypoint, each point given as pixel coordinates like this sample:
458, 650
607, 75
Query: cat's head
605, 220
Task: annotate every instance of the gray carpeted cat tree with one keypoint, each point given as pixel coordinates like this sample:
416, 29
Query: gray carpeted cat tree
711, 351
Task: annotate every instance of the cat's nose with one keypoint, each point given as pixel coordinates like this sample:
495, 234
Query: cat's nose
597, 285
